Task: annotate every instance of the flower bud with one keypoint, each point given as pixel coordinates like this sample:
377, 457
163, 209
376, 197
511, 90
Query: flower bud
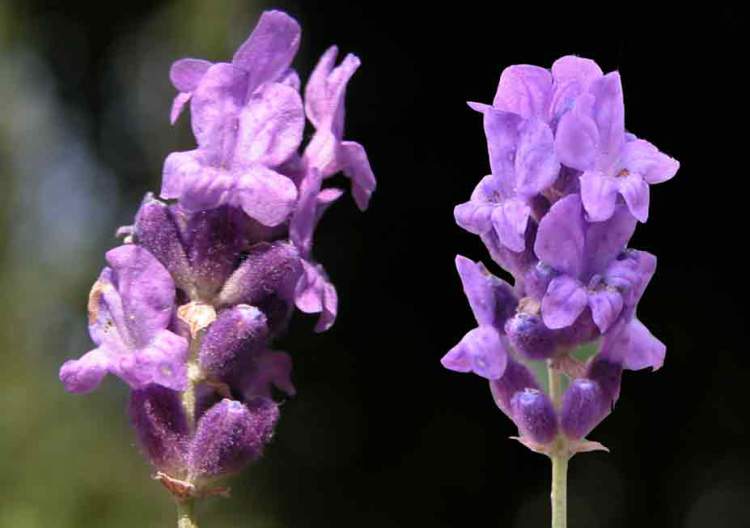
529, 335
269, 268
584, 406
534, 415
231, 435
515, 378
156, 230
214, 242
160, 423
235, 331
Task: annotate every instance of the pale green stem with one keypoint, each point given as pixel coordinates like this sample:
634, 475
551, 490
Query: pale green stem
559, 457
186, 517
186, 514
559, 491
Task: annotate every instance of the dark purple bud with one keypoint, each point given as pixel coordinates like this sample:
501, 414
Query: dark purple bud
268, 269
235, 332
583, 330
515, 378
231, 435
530, 336
156, 230
160, 423
534, 415
215, 243
584, 405
608, 375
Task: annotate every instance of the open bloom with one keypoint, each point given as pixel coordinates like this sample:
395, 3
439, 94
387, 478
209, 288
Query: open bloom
130, 308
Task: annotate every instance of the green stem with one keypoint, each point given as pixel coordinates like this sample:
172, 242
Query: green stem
559, 491
186, 514
559, 457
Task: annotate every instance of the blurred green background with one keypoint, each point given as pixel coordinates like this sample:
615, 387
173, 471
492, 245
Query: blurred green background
379, 434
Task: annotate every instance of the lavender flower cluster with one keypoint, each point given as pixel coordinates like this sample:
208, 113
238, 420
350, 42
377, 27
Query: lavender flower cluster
186, 309
567, 188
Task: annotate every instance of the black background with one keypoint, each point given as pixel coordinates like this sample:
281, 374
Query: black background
379, 433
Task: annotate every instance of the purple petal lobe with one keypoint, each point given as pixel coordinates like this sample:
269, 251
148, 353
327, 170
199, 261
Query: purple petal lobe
599, 195
635, 191
316, 294
84, 374
563, 303
266, 195
510, 219
480, 351
577, 136
634, 347
501, 129
270, 126
606, 304
560, 240
357, 168
641, 157
536, 165
524, 90
270, 48
185, 74
492, 300
608, 112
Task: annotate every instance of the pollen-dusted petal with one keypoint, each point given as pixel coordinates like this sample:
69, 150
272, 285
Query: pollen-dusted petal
534, 415
270, 48
230, 435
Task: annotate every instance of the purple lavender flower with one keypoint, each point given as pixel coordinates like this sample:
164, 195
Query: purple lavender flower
549, 213
130, 308
187, 309
591, 138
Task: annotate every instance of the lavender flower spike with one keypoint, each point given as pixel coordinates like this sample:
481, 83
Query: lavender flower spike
186, 311
568, 185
